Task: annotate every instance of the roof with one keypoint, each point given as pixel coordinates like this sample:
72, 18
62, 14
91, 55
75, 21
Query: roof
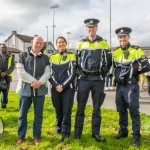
12, 50
24, 38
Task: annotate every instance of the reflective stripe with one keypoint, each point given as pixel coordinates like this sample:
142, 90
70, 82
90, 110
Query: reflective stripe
93, 45
9, 63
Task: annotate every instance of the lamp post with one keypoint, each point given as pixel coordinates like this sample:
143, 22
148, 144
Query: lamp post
54, 7
68, 38
110, 23
47, 39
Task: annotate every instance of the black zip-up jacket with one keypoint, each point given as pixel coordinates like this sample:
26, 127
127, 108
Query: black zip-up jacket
4, 67
63, 69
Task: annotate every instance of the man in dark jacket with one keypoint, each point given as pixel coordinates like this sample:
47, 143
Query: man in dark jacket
33, 71
7, 65
94, 59
129, 63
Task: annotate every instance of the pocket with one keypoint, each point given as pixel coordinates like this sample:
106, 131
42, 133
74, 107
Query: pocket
43, 90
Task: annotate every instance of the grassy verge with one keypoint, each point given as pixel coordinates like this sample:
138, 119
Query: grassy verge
50, 140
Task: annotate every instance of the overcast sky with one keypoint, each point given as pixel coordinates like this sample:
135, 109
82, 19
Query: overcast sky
29, 17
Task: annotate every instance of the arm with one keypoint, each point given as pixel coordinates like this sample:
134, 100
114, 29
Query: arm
12, 67
72, 75
45, 76
26, 77
52, 78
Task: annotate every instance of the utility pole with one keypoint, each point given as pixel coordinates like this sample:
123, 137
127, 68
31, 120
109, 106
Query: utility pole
110, 23
68, 39
47, 40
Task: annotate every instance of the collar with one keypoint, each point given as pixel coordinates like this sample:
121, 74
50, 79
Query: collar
40, 53
98, 38
126, 47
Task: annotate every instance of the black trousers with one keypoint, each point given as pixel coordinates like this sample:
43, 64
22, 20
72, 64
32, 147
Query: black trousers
63, 103
127, 97
97, 90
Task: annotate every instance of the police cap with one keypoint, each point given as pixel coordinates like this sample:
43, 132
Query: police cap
123, 31
91, 22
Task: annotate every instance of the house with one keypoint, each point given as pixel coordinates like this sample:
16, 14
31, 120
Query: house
18, 43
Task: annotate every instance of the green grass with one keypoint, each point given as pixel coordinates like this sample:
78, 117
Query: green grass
49, 141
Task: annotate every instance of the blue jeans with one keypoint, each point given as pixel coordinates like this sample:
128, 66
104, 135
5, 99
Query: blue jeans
25, 103
109, 80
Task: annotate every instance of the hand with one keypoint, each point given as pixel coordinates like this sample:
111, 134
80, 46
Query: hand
3, 74
36, 84
59, 88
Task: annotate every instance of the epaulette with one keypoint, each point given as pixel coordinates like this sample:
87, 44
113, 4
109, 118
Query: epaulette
70, 52
54, 53
83, 40
116, 48
135, 47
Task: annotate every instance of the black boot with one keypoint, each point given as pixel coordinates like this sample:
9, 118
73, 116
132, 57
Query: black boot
63, 137
77, 137
99, 138
120, 135
136, 141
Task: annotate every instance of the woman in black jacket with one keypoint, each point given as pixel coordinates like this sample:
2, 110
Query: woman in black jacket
63, 70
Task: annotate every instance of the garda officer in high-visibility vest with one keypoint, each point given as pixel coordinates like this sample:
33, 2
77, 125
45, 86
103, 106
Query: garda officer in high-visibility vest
94, 60
7, 65
63, 72
129, 62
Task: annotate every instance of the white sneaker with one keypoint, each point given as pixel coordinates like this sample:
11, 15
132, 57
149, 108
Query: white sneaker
106, 88
111, 88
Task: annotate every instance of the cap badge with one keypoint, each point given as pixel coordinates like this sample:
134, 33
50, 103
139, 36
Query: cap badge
121, 30
91, 21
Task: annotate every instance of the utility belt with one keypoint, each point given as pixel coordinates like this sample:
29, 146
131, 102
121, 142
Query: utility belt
91, 72
124, 81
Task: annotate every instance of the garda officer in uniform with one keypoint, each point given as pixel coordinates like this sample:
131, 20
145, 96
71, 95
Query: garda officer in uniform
63, 71
7, 65
129, 62
94, 59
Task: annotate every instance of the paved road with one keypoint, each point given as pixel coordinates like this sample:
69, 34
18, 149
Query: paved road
109, 102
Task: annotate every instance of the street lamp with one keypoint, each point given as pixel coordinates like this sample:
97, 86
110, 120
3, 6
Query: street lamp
110, 23
47, 40
54, 7
68, 38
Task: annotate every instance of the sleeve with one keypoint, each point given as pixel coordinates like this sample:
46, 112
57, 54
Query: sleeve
72, 75
46, 74
144, 65
24, 76
12, 67
52, 78
108, 62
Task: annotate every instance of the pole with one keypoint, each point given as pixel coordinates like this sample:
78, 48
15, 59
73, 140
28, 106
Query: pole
47, 40
54, 7
68, 38
110, 23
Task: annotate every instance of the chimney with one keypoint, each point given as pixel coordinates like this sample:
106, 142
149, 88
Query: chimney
14, 32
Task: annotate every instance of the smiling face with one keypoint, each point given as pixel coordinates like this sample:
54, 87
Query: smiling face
123, 40
37, 44
91, 30
61, 44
